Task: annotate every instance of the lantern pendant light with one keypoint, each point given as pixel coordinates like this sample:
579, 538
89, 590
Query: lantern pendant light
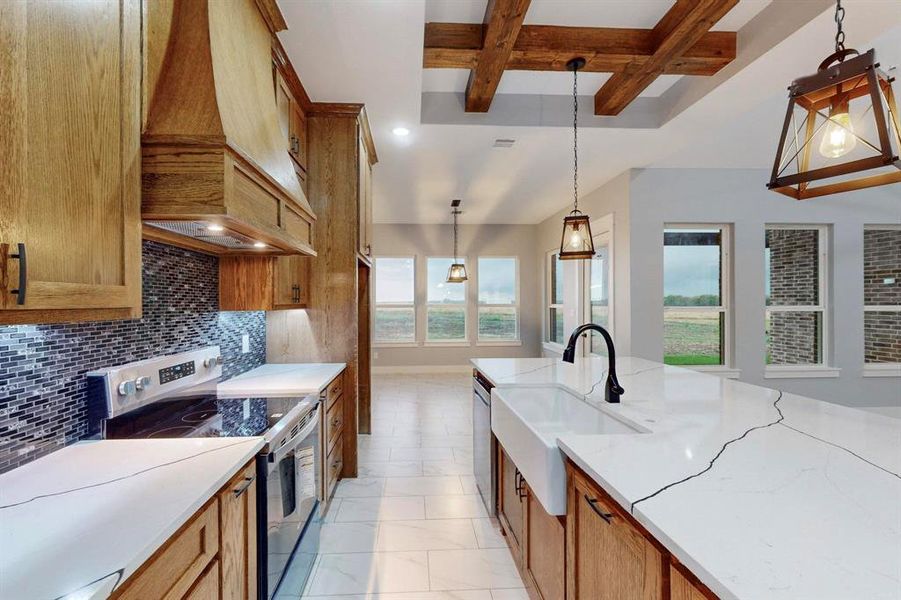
576, 242
841, 128
457, 271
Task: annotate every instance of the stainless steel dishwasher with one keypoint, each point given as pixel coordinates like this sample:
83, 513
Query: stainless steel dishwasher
484, 453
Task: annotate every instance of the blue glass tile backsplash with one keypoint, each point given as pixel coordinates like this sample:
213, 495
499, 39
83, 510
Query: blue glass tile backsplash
42, 367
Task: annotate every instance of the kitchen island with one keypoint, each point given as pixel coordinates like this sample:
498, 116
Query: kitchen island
758, 493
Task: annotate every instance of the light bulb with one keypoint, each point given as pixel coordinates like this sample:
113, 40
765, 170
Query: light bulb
839, 138
575, 239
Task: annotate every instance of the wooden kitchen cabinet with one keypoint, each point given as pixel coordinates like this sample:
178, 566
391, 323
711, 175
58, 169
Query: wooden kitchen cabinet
238, 536
684, 586
607, 555
510, 505
264, 282
211, 557
293, 124
544, 558
70, 190
292, 282
365, 200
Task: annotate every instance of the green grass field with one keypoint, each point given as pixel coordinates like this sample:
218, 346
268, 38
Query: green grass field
445, 323
691, 338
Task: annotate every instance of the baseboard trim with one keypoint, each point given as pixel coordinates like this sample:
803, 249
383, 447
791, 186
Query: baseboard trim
413, 369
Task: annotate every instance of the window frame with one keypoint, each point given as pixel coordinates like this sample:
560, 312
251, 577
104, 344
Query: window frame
603, 230
804, 370
725, 306
376, 304
465, 341
549, 260
879, 369
517, 341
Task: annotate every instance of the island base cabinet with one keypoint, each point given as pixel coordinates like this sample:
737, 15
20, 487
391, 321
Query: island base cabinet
510, 510
207, 587
238, 536
545, 551
607, 556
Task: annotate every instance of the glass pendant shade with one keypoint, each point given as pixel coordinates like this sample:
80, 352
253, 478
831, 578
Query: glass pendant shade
457, 273
576, 242
841, 130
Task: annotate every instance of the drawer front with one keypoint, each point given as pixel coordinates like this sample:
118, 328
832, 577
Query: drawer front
334, 389
334, 422
333, 465
174, 569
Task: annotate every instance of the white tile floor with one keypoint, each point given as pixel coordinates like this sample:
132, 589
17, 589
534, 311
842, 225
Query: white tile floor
412, 526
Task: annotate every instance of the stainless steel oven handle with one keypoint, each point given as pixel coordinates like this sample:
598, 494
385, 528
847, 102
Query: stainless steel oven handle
293, 442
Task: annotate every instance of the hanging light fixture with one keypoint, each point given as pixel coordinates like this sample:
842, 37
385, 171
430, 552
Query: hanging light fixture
576, 242
457, 271
841, 121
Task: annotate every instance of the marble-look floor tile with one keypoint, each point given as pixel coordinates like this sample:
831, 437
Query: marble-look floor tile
472, 569
488, 533
373, 454
332, 511
403, 440
445, 467
454, 507
391, 469
438, 534
360, 487
469, 484
454, 595
371, 573
408, 454
348, 537
510, 594
423, 486
395, 508
447, 441
463, 455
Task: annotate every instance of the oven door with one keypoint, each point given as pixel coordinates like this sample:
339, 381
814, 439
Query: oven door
292, 483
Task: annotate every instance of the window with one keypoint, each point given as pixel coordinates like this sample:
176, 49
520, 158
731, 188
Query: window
554, 325
882, 295
795, 295
446, 303
696, 310
498, 299
395, 314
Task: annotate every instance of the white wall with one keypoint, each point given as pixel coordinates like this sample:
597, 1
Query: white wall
423, 241
739, 196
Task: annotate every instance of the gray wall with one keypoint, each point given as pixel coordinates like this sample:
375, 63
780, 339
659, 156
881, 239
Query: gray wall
738, 196
423, 241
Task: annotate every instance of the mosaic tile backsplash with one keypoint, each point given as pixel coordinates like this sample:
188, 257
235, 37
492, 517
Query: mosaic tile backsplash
43, 388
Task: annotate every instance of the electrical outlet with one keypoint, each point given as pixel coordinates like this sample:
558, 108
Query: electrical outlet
245, 343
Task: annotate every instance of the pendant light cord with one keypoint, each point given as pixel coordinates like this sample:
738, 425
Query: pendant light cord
839, 34
575, 141
455, 235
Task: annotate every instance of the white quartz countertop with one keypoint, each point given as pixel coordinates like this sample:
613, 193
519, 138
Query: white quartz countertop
280, 380
761, 494
83, 519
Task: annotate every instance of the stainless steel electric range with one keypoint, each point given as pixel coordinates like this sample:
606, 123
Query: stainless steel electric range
175, 397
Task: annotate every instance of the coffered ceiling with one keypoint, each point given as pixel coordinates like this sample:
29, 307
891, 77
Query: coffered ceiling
372, 52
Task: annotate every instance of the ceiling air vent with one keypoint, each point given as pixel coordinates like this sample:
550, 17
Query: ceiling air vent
504, 143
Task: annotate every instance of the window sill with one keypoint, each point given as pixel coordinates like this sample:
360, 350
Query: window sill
882, 370
801, 372
489, 343
447, 344
553, 347
395, 344
725, 372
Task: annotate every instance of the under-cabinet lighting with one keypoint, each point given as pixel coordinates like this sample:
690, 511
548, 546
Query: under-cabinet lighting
259, 245
215, 227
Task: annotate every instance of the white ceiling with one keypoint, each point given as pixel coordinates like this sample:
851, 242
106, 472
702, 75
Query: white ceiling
371, 51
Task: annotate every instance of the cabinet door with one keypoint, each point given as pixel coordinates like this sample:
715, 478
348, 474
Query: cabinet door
607, 556
71, 159
238, 536
365, 201
683, 589
292, 278
298, 139
207, 587
545, 554
510, 502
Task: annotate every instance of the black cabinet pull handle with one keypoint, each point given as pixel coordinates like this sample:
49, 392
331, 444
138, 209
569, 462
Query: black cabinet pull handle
593, 503
243, 487
23, 274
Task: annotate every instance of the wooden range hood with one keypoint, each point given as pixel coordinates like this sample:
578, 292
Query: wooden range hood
212, 151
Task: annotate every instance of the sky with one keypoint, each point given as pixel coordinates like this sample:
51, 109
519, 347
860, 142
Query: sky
394, 280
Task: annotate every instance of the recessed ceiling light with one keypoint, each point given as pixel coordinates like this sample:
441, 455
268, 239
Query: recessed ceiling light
215, 227
259, 245
400, 131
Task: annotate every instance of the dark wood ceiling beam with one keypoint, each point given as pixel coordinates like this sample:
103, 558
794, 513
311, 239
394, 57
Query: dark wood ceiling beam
682, 27
548, 48
503, 20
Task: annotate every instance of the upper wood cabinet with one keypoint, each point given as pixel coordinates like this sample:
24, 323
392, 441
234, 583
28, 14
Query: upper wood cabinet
215, 166
70, 76
365, 206
293, 125
264, 282
607, 555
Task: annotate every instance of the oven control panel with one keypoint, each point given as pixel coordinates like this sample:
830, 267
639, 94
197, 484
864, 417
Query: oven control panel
177, 372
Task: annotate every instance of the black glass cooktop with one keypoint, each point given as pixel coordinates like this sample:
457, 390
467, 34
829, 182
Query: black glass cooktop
201, 416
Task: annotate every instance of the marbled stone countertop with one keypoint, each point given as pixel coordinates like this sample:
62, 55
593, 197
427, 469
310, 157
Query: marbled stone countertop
274, 380
83, 519
762, 494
